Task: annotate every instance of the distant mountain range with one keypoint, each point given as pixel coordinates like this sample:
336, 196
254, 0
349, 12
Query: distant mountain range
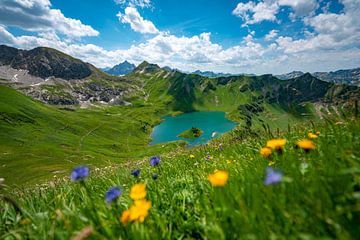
211, 74
120, 69
56, 78
348, 76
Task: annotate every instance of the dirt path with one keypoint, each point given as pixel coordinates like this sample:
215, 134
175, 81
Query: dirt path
87, 134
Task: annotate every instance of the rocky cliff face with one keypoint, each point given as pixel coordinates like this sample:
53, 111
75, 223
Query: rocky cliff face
56, 78
44, 62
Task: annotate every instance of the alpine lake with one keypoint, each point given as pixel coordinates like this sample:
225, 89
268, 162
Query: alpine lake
212, 124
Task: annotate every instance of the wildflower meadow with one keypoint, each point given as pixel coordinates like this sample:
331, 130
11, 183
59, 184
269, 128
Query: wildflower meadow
300, 183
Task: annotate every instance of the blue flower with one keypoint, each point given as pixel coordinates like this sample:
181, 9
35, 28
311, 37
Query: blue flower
154, 176
154, 161
112, 194
135, 172
79, 173
272, 176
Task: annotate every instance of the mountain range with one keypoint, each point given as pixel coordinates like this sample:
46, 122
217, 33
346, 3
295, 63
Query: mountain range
348, 76
56, 78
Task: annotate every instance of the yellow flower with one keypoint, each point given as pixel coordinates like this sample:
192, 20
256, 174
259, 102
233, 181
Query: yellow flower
305, 144
271, 163
229, 161
266, 151
125, 217
312, 136
138, 191
139, 210
25, 221
218, 178
192, 156
276, 144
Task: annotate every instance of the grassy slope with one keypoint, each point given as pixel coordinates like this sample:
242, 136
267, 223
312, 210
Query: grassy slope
225, 98
319, 203
39, 141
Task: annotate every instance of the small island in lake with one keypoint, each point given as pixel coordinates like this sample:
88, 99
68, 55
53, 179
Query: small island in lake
191, 133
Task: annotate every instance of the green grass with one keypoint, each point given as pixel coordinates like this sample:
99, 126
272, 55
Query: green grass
39, 142
191, 133
319, 201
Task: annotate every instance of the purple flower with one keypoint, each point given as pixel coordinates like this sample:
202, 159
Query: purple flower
154, 176
272, 176
154, 161
112, 194
135, 172
79, 173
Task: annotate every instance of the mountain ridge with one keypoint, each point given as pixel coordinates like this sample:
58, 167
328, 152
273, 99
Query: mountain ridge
120, 69
342, 76
44, 62
176, 90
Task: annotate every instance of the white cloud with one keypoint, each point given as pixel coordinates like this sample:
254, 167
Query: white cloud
266, 10
331, 31
134, 3
136, 21
301, 7
330, 42
271, 35
252, 12
38, 16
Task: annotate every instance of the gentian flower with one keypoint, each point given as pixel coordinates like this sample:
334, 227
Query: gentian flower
154, 161
112, 194
272, 176
154, 176
79, 173
135, 172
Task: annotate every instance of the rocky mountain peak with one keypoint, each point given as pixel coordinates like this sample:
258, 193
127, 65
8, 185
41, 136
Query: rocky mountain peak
44, 62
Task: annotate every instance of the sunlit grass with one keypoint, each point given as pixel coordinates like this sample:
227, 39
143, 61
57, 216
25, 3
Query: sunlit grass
316, 193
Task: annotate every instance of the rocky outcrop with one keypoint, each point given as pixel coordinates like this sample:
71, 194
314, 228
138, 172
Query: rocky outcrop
44, 62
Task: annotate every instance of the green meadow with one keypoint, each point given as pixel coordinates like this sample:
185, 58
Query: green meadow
316, 195
39, 142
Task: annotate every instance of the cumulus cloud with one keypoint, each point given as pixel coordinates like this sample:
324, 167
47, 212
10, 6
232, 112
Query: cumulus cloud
271, 35
252, 12
136, 21
331, 42
300, 7
266, 10
134, 3
37, 15
331, 31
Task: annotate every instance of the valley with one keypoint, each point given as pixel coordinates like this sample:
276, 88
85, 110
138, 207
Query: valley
104, 120
124, 132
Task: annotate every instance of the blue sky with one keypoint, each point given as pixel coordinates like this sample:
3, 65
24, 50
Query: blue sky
259, 36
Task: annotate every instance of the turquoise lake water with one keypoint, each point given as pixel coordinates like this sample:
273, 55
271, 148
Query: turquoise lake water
209, 122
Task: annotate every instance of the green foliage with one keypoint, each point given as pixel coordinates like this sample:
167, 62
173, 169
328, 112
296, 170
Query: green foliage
191, 133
